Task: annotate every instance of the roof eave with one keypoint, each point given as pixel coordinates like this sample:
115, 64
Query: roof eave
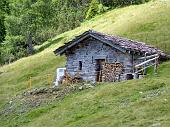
65, 47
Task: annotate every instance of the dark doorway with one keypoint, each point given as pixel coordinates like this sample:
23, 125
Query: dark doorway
99, 68
80, 65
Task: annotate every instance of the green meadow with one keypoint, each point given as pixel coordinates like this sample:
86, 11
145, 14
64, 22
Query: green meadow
129, 103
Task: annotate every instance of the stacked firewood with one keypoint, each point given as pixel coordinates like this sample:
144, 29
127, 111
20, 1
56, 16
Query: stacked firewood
111, 72
68, 79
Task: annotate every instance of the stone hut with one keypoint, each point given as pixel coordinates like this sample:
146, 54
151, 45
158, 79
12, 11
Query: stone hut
99, 57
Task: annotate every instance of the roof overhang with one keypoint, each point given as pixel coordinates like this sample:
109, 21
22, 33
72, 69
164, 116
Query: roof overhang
116, 42
72, 43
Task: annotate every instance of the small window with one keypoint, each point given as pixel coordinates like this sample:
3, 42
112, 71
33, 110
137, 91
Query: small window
80, 65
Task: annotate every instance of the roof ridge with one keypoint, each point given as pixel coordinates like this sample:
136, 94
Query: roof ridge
123, 42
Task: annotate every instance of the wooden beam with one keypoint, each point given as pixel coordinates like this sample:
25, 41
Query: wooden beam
146, 62
148, 57
144, 68
155, 67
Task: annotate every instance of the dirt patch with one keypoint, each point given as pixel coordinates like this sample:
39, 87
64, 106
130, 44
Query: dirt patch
35, 98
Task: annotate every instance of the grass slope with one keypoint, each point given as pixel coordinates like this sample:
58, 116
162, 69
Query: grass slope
129, 103
148, 22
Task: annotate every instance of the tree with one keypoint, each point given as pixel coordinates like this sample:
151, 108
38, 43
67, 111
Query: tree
4, 9
120, 3
26, 23
27, 19
93, 9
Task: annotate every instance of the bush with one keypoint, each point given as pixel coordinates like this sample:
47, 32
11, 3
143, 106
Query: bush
120, 3
94, 9
12, 49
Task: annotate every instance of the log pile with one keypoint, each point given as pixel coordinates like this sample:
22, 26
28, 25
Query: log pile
68, 79
111, 72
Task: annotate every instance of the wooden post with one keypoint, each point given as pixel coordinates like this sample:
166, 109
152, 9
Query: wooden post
136, 73
136, 76
144, 71
65, 74
100, 76
30, 83
49, 79
133, 62
155, 67
119, 78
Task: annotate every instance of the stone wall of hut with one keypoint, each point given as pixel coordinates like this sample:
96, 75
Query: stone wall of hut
88, 51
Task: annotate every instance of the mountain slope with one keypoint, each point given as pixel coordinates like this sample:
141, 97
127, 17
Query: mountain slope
128, 103
148, 22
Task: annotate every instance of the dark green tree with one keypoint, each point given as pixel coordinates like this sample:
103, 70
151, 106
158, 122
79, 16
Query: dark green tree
28, 18
26, 23
4, 10
120, 3
93, 9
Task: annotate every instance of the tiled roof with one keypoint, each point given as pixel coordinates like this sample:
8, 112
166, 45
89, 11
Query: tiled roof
127, 44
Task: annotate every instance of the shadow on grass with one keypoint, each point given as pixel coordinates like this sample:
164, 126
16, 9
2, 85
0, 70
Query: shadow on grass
50, 42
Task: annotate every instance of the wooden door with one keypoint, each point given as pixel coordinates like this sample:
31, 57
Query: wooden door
99, 67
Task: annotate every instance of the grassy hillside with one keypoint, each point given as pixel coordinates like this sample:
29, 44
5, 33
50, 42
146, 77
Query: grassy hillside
150, 23
129, 103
